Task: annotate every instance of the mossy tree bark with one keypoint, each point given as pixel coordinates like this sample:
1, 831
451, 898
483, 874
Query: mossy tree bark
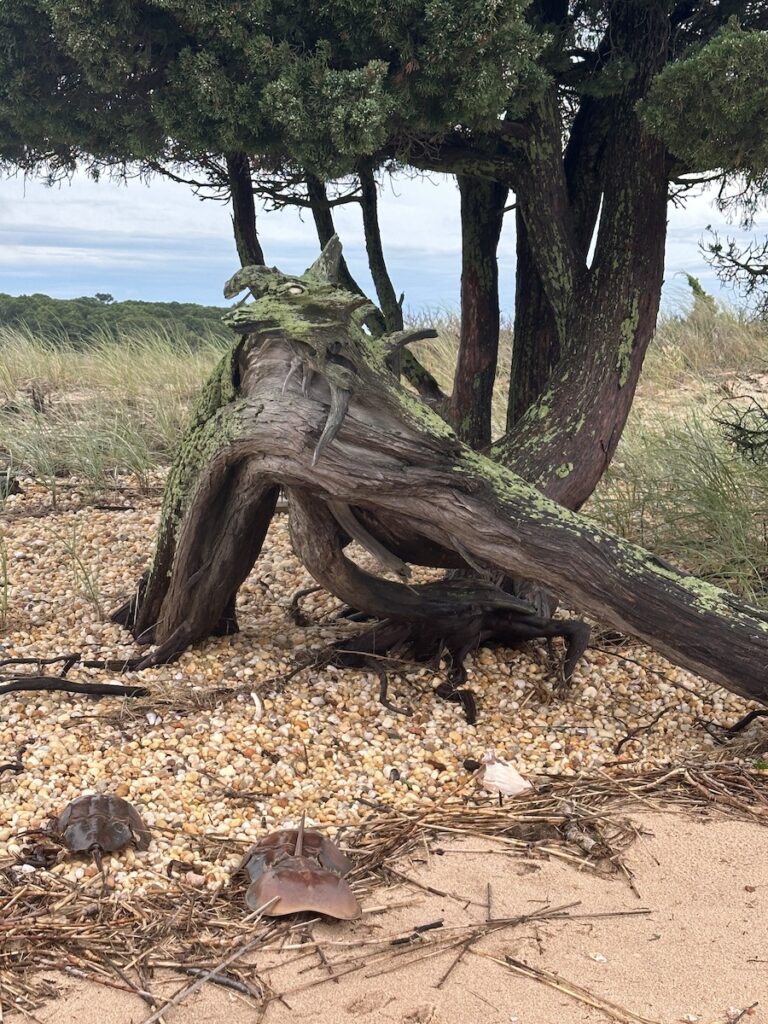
536, 348
607, 314
307, 401
591, 323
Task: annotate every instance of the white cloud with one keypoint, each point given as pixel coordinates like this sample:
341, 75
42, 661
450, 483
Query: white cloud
160, 241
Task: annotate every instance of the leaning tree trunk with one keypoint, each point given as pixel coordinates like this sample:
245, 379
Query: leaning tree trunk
307, 402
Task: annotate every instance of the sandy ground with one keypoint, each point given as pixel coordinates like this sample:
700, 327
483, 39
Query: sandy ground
701, 954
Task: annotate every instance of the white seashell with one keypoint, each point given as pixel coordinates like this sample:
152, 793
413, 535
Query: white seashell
503, 778
153, 718
259, 713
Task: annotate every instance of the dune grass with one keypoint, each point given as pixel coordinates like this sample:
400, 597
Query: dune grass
677, 487
677, 484
97, 412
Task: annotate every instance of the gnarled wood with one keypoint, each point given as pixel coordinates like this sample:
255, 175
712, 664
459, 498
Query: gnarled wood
393, 456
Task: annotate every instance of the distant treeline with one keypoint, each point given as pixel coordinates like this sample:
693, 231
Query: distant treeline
85, 320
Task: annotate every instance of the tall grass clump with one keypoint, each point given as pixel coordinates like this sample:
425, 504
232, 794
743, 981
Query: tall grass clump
709, 339
114, 407
679, 488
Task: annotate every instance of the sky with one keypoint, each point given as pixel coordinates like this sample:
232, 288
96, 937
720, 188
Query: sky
159, 242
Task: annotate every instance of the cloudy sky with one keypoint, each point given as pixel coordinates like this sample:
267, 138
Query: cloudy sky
160, 242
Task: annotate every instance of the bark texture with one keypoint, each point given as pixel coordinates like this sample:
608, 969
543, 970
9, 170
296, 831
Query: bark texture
611, 182
307, 401
482, 216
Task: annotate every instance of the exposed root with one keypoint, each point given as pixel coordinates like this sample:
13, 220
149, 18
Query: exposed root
384, 700
456, 636
294, 608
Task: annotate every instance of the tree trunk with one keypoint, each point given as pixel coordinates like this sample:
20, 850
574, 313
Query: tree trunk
243, 210
605, 321
482, 216
536, 347
346, 434
382, 282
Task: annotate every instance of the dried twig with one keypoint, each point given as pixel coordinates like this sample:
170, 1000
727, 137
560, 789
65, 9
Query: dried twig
208, 975
569, 988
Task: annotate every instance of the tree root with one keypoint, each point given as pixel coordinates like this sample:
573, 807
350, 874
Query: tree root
726, 731
423, 622
455, 638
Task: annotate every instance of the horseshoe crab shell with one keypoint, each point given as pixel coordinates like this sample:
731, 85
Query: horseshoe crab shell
284, 842
105, 823
299, 883
300, 870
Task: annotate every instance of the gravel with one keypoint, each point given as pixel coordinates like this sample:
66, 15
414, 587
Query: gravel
323, 745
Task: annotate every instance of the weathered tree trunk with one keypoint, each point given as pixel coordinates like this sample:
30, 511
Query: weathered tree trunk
482, 216
536, 347
603, 315
243, 210
307, 402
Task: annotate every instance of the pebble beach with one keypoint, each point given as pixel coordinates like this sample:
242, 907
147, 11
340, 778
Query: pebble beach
257, 757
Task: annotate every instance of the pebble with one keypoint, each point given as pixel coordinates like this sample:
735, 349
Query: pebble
324, 745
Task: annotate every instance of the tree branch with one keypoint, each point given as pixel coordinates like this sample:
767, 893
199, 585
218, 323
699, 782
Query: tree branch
390, 307
410, 367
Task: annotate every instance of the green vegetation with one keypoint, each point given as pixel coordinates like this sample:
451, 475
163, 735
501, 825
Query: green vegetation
677, 485
98, 411
87, 320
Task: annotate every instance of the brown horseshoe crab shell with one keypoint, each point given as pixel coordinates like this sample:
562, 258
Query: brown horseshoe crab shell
299, 883
299, 870
283, 843
106, 823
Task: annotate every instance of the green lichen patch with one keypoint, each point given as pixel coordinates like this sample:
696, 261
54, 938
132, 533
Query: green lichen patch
627, 332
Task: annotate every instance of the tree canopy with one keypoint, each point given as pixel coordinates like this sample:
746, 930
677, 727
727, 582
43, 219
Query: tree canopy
579, 115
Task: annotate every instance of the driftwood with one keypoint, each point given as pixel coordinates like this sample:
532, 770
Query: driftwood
306, 400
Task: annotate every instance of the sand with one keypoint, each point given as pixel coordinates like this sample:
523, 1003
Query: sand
700, 955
